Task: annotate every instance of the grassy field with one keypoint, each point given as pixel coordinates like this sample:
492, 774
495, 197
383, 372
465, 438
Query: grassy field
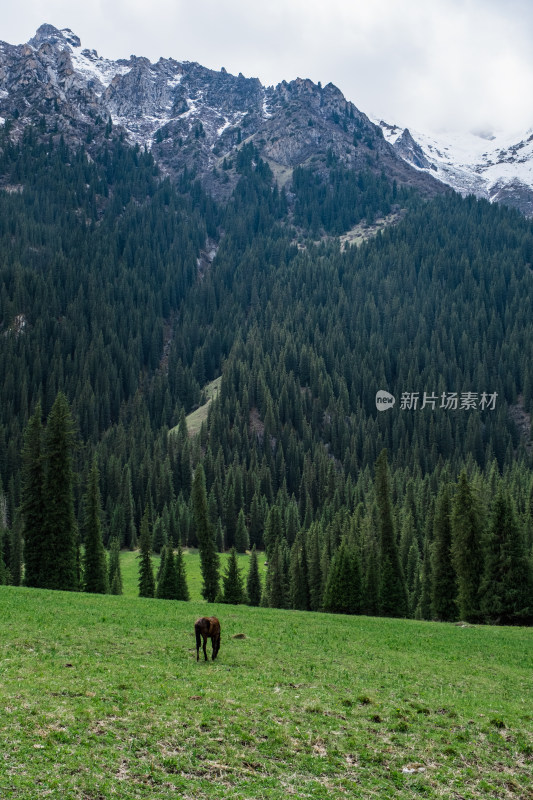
101, 697
129, 567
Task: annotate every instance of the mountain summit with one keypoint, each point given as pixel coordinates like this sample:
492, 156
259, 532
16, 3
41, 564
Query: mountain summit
189, 116
196, 118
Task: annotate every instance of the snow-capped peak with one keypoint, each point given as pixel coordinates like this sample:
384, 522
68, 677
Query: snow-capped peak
496, 166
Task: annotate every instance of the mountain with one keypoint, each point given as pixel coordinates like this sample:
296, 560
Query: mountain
245, 336
187, 115
498, 168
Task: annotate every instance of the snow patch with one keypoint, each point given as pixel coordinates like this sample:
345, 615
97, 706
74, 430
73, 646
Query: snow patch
266, 113
223, 127
173, 82
192, 105
93, 67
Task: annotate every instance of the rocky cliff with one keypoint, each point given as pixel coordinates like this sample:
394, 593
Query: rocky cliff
189, 116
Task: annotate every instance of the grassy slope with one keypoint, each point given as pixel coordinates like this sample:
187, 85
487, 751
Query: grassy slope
129, 566
195, 419
102, 697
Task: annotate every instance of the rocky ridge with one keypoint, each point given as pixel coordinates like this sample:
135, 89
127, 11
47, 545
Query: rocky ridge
189, 116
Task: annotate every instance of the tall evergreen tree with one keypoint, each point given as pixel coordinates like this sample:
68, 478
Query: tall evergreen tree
315, 568
209, 558
423, 610
146, 572
342, 594
115, 575
443, 581
242, 541
277, 580
256, 521
392, 588
95, 566
182, 590
60, 556
253, 580
467, 553
506, 589
129, 534
32, 505
232, 581
159, 536
167, 584
299, 574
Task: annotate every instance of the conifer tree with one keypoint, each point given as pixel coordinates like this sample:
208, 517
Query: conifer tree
413, 577
392, 589
371, 579
253, 581
299, 574
115, 575
506, 589
242, 541
274, 530
315, 568
130, 531
159, 536
467, 553
167, 584
95, 567
443, 580
256, 521
219, 536
232, 581
161, 567
32, 505
60, 556
423, 610
182, 590
146, 573
342, 594
277, 583
209, 559
230, 510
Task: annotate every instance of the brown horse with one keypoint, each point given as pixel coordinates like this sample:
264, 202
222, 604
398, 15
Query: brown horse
208, 628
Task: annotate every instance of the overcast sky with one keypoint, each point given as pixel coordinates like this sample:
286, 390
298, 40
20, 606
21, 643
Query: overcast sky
432, 65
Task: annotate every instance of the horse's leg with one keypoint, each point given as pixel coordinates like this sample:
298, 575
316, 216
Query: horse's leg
205, 642
198, 642
216, 646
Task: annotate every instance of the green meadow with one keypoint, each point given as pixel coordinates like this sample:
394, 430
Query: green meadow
101, 697
129, 565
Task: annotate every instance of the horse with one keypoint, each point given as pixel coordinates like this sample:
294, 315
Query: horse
208, 628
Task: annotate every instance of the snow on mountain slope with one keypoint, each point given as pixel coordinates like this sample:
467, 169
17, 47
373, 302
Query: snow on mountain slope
496, 167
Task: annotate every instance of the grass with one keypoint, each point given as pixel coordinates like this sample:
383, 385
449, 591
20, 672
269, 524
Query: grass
129, 567
195, 419
101, 697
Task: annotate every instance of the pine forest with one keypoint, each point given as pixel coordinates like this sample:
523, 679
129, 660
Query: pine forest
184, 372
